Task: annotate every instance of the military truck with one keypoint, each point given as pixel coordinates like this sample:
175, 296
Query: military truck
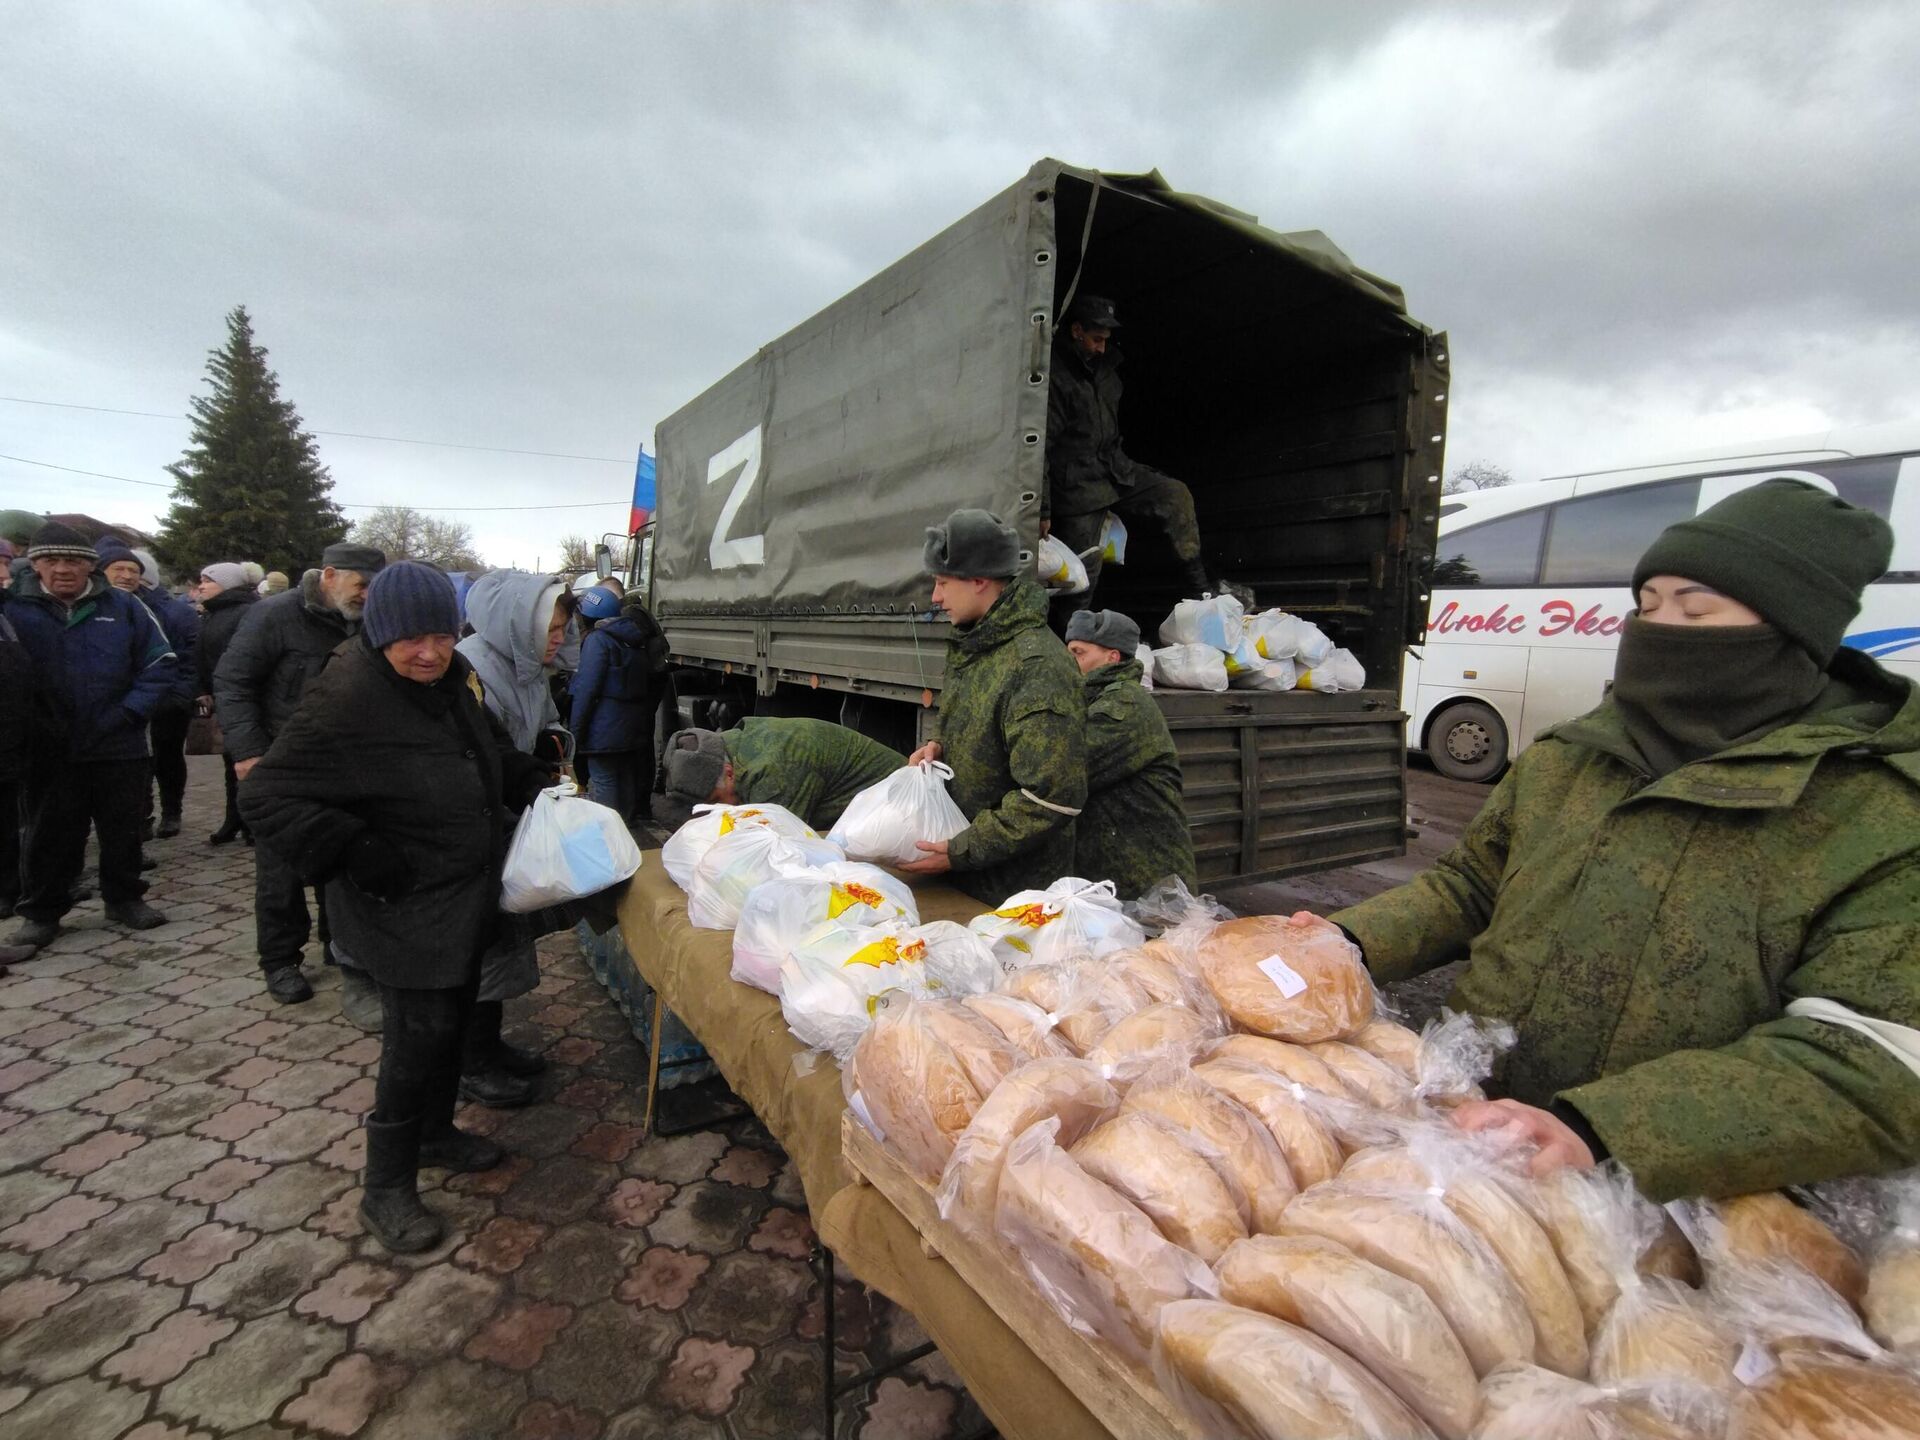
1287, 387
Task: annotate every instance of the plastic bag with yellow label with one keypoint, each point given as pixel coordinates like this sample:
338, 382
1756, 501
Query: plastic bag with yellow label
1072, 919
783, 911
685, 847
1059, 568
1340, 671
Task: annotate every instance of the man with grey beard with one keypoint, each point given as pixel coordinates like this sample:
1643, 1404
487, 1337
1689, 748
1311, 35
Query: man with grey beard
278, 648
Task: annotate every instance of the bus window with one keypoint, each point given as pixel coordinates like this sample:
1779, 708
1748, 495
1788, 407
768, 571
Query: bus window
1596, 539
1500, 552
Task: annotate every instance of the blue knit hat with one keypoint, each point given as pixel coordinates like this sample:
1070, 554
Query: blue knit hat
111, 548
409, 598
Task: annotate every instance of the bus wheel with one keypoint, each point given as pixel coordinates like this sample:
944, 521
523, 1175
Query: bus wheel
1468, 741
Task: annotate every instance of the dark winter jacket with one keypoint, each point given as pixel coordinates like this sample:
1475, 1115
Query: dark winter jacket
424, 768
180, 623
1134, 828
1719, 968
1013, 727
279, 647
16, 707
103, 667
224, 612
1086, 466
617, 684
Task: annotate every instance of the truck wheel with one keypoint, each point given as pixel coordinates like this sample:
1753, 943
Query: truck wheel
1468, 741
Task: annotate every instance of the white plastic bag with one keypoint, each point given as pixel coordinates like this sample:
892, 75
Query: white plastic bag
740, 862
885, 821
1220, 621
1190, 667
686, 845
1145, 656
1113, 540
829, 981
1059, 568
1265, 675
565, 848
1340, 672
958, 962
1072, 919
1276, 635
784, 910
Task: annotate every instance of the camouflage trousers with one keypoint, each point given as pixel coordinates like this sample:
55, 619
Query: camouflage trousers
1153, 502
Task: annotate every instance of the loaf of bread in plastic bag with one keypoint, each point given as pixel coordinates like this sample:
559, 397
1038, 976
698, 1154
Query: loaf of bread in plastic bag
1815, 1396
1892, 1305
1490, 1210
1387, 1323
1291, 982
1161, 1029
1021, 1021
984, 1053
1084, 1001
906, 1084
1180, 1190
1660, 1330
1418, 1238
1292, 1062
1153, 973
1247, 1374
1069, 1090
1769, 1226
1368, 1076
1092, 1252
1393, 1043
1242, 1143
1526, 1402
1311, 1152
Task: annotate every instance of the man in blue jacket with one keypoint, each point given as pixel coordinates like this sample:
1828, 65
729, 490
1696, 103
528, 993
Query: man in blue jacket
103, 667
126, 569
614, 692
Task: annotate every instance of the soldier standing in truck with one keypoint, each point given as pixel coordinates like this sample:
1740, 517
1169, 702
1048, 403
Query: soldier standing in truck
1089, 471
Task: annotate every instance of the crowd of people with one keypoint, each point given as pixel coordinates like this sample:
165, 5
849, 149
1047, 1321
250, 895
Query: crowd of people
367, 760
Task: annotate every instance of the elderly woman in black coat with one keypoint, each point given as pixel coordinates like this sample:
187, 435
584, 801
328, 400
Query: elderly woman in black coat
392, 785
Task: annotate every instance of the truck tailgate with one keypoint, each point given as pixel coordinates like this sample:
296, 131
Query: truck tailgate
1281, 784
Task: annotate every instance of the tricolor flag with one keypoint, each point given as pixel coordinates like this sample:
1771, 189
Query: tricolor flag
643, 493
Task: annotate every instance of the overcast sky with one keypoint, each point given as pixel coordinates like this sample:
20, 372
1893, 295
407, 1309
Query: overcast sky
1648, 227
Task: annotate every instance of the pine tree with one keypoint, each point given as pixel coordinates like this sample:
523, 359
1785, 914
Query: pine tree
250, 485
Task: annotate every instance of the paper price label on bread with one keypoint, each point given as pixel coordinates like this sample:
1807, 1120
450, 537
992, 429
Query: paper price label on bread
1285, 978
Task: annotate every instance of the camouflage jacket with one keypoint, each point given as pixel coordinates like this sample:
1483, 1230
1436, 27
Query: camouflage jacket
1134, 828
812, 767
1688, 960
1012, 726
1086, 465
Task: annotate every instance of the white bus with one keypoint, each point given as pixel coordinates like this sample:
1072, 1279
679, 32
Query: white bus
1530, 583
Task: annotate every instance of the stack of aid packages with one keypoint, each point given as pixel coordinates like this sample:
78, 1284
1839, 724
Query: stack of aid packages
1212, 644
812, 922
1212, 1153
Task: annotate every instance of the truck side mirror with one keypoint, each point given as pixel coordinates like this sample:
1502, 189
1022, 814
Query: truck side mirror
602, 561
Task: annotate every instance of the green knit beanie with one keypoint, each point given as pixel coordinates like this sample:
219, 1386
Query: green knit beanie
1789, 550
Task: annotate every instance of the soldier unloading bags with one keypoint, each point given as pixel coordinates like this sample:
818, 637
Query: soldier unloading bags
1012, 721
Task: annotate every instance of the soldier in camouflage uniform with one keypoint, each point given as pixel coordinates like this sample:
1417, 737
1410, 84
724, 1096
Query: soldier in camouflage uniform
1012, 720
1699, 904
812, 767
1088, 471
1133, 830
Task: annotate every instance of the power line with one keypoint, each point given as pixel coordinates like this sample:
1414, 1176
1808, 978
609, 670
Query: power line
339, 434
343, 504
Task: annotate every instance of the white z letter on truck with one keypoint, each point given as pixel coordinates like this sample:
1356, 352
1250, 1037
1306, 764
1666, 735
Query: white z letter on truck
742, 455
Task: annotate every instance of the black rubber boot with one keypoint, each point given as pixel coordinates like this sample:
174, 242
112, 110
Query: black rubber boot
390, 1205
169, 826
495, 1088
454, 1149
515, 1061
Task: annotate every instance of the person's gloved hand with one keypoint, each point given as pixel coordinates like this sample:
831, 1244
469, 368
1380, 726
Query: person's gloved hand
378, 868
532, 783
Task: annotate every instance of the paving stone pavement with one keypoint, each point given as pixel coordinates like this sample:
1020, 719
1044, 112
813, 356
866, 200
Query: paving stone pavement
181, 1257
